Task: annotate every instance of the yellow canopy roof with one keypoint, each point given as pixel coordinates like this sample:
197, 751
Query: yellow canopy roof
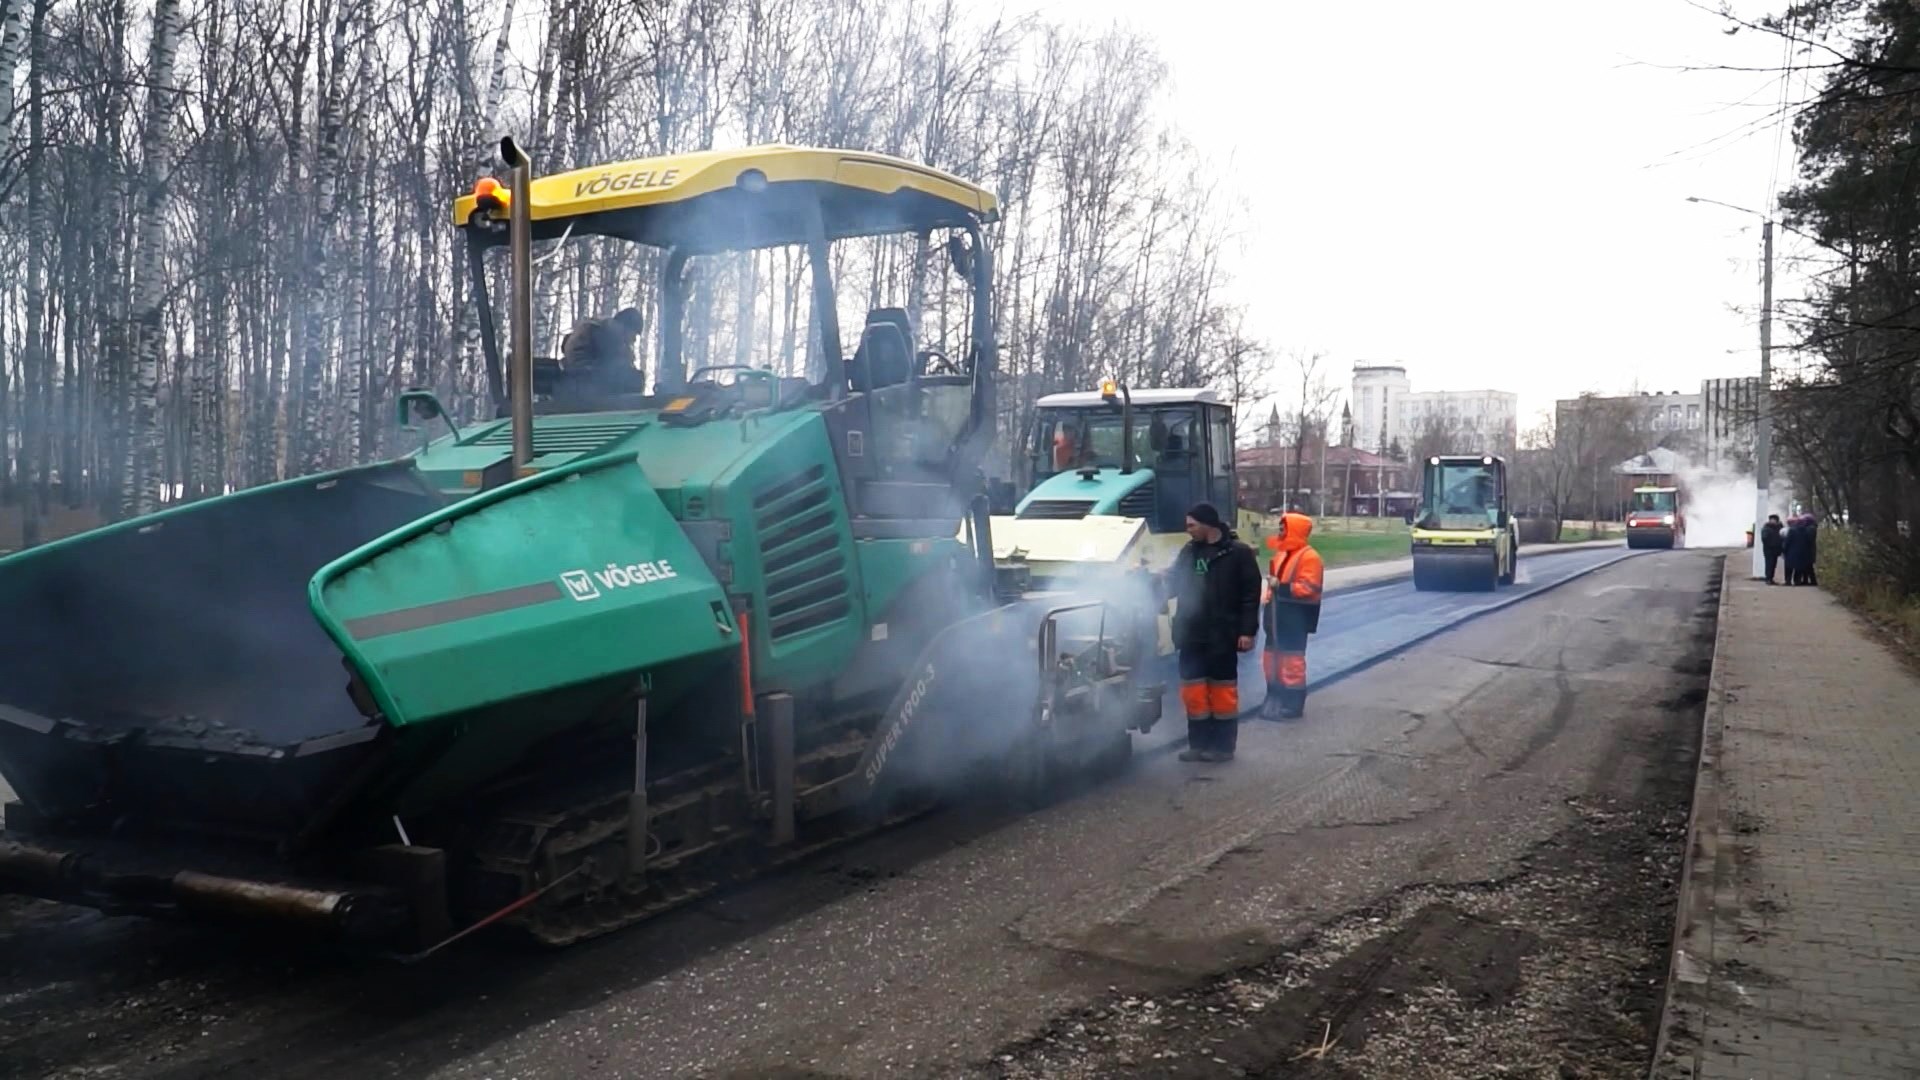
722, 200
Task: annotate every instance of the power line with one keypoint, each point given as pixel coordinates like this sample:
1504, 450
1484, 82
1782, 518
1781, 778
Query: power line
1780, 114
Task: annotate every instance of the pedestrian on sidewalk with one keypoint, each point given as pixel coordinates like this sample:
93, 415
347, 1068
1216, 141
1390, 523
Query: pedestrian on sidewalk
1216, 587
1813, 550
1794, 549
1296, 580
1771, 542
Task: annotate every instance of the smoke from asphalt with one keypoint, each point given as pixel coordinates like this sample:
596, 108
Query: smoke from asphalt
975, 696
1718, 499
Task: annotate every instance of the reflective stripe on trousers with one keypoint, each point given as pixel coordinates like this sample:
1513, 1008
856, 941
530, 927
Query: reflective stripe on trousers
1288, 669
1194, 697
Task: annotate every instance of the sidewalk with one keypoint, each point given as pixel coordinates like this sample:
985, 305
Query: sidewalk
1797, 944
1374, 573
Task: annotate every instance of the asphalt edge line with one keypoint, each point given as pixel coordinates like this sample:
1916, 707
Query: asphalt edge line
1501, 605
1539, 550
1173, 745
1690, 948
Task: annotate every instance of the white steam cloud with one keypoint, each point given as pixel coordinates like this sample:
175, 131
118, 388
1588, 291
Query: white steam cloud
1718, 500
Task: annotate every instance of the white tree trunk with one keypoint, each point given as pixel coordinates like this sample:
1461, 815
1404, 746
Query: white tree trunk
13, 24
485, 154
354, 344
321, 298
149, 277
12, 38
495, 81
33, 352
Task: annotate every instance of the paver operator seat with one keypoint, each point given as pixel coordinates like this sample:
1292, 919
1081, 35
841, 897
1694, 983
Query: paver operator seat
885, 354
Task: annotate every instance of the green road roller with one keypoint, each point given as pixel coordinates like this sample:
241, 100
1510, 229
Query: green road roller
1464, 537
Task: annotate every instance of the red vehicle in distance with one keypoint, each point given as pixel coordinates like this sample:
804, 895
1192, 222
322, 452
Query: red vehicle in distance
1655, 519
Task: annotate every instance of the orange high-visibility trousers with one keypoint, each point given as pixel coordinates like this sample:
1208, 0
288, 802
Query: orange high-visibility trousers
1210, 693
1284, 660
1298, 579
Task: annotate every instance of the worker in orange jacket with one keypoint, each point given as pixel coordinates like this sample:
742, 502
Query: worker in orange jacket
1296, 579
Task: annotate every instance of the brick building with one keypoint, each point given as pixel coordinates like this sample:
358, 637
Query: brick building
1353, 481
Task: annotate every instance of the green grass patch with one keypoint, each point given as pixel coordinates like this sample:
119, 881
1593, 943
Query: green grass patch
1361, 546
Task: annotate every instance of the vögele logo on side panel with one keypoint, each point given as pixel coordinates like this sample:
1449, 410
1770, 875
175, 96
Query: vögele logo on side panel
580, 585
585, 585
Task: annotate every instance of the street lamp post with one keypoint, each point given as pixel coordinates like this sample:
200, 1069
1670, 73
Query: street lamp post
1763, 425
1763, 422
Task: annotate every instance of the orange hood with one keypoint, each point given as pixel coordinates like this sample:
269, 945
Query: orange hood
1296, 528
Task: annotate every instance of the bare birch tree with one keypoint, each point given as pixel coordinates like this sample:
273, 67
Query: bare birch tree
236, 254
149, 276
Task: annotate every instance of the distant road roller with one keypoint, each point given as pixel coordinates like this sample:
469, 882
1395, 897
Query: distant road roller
1655, 519
1464, 537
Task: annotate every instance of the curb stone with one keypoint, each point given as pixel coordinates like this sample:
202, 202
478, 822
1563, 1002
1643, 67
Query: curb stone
1682, 1026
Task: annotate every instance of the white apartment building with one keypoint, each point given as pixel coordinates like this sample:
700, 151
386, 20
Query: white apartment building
1386, 409
1378, 390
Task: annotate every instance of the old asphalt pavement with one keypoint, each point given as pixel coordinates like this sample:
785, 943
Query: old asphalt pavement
1465, 854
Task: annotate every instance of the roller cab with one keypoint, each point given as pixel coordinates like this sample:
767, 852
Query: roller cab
1118, 452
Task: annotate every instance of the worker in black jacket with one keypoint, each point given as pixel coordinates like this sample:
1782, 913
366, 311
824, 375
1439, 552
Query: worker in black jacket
1771, 543
1215, 582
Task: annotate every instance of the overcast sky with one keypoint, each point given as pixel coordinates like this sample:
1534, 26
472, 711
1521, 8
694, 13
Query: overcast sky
1489, 192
